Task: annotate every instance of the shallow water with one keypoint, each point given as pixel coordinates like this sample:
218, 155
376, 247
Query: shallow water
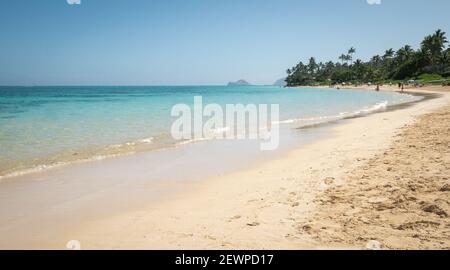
45, 126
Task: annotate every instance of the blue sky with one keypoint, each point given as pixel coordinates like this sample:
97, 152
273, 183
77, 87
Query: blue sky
182, 42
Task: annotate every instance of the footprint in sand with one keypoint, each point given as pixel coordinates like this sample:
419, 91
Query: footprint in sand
227, 244
253, 224
329, 180
234, 218
209, 237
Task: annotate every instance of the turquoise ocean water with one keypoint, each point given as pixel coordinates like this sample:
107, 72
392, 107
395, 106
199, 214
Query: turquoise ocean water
45, 126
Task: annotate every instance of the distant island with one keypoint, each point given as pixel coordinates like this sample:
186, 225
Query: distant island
281, 82
239, 83
429, 64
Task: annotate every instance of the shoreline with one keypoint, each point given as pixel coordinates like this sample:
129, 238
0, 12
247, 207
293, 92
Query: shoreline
144, 145
84, 220
266, 207
425, 96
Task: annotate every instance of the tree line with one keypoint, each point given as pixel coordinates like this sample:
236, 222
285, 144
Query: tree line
431, 60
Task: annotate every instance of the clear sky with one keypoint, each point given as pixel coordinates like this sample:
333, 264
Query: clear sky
182, 42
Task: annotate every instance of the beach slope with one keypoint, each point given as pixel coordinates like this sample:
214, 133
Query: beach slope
399, 198
380, 177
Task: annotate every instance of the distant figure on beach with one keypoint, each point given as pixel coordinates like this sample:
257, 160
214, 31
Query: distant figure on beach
402, 87
378, 88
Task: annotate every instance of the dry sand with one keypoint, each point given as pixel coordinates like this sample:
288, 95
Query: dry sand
400, 198
338, 192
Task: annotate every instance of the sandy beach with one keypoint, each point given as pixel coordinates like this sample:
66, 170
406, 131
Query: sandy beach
256, 129
398, 198
382, 177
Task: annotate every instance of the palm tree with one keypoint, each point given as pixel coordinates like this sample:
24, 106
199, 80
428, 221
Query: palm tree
440, 39
359, 69
312, 66
376, 60
433, 47
350, 53
343, 57
328, 69
432, 57
388, 54
446, 57
388, 61
408, 49
404, 54
427, 49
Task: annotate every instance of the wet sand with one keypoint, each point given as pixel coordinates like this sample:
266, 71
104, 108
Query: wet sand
39, 209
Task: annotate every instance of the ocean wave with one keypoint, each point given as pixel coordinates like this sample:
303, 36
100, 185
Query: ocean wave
189, 141
329, 118
148, 140
117, 150
44, 167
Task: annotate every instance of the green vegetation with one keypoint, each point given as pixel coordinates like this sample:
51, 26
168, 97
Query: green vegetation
429, 77
429, 64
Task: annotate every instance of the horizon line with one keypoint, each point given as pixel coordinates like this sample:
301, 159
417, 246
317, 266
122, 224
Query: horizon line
123, 85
